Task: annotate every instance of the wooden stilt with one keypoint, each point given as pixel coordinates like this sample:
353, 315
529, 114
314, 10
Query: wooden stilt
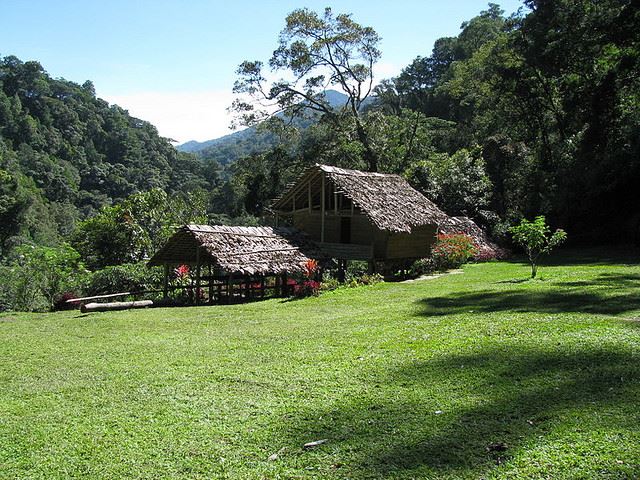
165, 292
210, 286
230, 288
198, 276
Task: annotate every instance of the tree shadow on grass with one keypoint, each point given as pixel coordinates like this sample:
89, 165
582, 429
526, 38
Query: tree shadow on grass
613, 294
612, 280
496, 402
621, 255
488, 301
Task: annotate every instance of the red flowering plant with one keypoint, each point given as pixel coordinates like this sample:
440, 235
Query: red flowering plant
183, 278
451, 251
308, 286
182, 272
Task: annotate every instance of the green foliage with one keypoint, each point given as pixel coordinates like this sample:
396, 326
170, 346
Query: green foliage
422, 266
36, 276
65, 154
458, 183
131, 277
329, 282
452, 251
536, 239
137, 227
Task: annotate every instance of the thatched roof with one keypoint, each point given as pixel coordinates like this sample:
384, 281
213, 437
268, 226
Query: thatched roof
241, 250
388, 200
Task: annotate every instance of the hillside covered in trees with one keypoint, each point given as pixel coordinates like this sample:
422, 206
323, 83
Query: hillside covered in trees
535, 113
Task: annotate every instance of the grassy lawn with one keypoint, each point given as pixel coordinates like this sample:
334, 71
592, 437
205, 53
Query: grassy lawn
479, 375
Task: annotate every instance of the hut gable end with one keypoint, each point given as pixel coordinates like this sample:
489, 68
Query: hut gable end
387, 200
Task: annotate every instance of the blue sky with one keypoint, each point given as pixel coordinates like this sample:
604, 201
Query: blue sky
173, 62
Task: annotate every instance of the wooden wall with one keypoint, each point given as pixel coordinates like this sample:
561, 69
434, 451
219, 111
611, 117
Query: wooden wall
385, 245
416, 244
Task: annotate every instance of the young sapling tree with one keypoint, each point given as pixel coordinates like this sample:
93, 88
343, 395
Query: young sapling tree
536, 239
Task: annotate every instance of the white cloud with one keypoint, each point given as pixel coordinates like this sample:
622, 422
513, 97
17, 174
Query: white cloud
385, 70
181, 116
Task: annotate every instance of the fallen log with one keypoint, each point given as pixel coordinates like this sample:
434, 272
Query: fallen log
104, 307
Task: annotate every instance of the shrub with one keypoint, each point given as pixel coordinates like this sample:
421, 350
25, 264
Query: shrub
422, 266
61, 301
129, 277
452, 251
328, 282
355, 270
370, 279
365, 279
306, 288
36, 276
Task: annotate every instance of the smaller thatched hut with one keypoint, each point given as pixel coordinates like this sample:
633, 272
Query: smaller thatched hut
237, 260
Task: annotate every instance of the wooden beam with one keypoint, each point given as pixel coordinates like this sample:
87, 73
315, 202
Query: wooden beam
97, 297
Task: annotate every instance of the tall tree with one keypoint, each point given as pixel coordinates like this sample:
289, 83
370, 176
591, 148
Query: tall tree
318, 52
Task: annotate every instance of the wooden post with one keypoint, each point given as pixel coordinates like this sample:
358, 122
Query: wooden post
198, 276
285, 285
322, 212
165, 291
352, 207
342, 267
210, 286
230, 288
310, 198
261, 286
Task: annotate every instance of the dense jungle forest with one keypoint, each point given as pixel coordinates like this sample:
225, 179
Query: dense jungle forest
516, 116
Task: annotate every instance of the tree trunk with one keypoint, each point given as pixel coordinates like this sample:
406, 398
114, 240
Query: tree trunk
370, 155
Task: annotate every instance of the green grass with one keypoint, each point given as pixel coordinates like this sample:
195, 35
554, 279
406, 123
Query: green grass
479, 375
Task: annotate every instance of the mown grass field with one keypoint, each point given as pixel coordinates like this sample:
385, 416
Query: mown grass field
479, 375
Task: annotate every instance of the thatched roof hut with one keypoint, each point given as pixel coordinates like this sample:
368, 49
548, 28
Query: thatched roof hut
239, 250
387, 200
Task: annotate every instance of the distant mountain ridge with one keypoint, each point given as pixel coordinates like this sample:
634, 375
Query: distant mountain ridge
227, 148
